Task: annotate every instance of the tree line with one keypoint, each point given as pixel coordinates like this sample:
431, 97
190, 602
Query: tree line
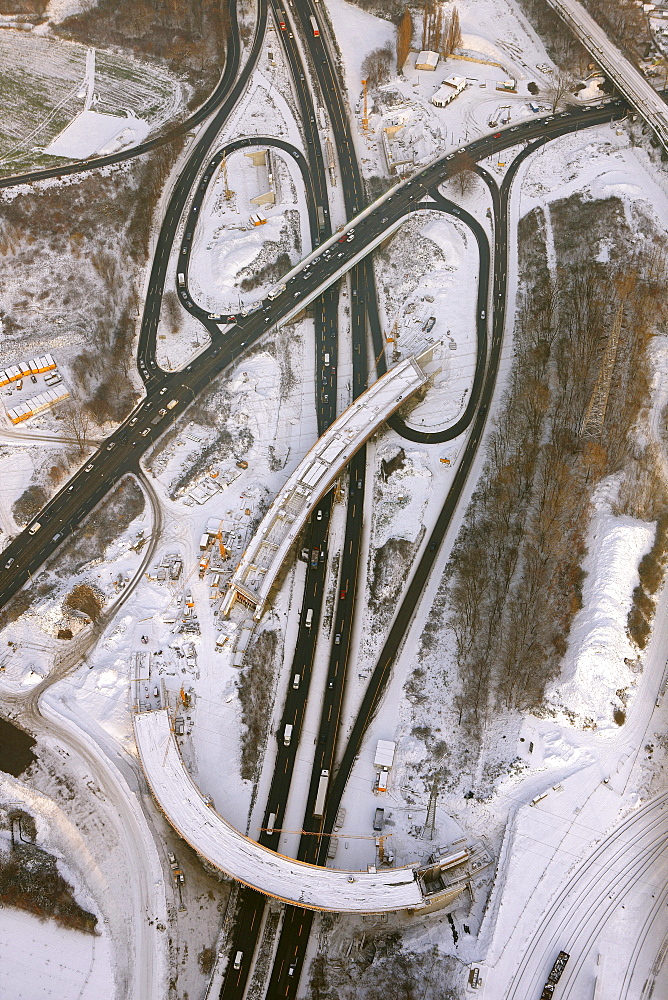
516, 570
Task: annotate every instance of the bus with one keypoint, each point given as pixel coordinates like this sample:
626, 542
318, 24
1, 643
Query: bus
316, 29
319, 807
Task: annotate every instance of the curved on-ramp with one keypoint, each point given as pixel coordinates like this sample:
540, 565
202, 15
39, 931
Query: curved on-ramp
229, 850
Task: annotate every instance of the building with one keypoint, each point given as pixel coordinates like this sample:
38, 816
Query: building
427, 61
448, 90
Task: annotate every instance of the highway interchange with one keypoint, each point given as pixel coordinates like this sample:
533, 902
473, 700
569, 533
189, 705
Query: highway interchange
314, 282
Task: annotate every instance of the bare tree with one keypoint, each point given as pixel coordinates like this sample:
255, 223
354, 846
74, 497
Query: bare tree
463, 168
559, 89
376, 66
404, 38
77, 421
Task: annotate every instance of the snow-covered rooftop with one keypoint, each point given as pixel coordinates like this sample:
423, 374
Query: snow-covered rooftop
273, 874
262, 560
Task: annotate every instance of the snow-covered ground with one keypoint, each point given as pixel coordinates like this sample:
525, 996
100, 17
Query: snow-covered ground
41, 961
263, 413
575, 745
427, 276
497, 45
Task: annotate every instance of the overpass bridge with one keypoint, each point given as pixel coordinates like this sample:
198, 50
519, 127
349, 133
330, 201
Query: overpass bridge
281, 525
628, 80
413, 887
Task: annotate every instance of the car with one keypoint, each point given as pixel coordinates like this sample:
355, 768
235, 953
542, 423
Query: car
89, 467
350, 238
296, 295
343, 594
343, 239
163, 391
292, 969
9, 563
133, 421
384, 220
497, 135
70, 488
337, 638
319, 516
57, 537
111, 445
342, 254
33, 378
483, 314
145, 431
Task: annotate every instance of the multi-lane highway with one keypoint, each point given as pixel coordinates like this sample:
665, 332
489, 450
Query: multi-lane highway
169, 394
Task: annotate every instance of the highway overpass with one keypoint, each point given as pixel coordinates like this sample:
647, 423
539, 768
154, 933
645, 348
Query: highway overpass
281, 525
628, 80
273, 874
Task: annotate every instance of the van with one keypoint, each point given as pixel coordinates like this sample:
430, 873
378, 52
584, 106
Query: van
309, 617
34, 528
238, 958
155, 692
296, 681
287, 735
326, 359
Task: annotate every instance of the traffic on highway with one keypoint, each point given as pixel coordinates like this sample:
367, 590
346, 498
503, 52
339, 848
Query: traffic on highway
322, 701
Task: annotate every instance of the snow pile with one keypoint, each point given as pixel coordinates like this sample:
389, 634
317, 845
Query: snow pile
91, 132
595, 667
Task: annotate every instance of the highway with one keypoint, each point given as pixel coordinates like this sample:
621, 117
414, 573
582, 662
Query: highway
122, 451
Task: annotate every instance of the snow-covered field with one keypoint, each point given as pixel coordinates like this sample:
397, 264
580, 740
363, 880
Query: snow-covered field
44, 85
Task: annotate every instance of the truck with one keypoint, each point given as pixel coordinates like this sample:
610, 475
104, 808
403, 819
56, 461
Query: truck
315, 28
323, 782
275, 292
309, 618
287, 735
554, 976
379, 820
181, 278
321, 217
315, 555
